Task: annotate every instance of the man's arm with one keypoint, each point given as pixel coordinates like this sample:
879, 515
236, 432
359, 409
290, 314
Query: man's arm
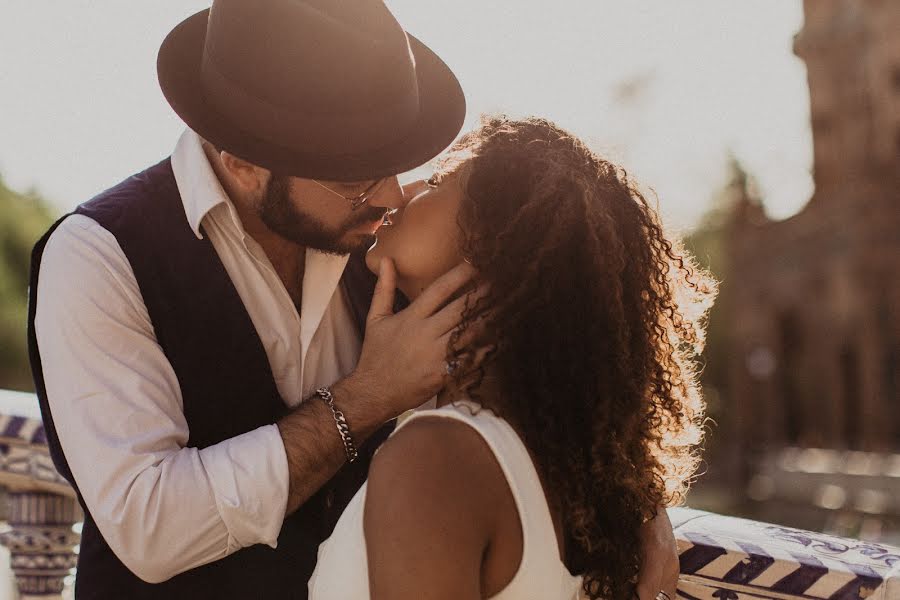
117, 406
401, 366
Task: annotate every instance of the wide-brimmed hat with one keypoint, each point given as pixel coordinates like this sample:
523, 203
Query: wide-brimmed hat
311, 88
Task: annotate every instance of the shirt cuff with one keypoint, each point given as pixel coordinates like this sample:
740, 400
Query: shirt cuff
249, 478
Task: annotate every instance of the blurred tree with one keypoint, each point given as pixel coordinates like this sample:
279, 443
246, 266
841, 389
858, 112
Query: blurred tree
23, 219
708, 242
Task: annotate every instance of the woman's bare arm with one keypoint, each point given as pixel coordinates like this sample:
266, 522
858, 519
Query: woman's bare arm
430, 512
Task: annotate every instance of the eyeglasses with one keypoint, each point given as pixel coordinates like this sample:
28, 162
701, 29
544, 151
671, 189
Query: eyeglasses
356, 201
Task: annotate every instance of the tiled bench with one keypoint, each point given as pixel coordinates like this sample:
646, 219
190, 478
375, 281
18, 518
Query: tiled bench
726, 558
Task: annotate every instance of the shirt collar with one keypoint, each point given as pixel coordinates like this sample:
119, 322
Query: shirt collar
198, 184
201, 191
321, 278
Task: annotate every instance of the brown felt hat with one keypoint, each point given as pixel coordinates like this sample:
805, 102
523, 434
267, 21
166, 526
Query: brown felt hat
312, 88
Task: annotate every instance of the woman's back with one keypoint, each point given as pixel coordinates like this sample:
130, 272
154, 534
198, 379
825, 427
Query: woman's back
343, 567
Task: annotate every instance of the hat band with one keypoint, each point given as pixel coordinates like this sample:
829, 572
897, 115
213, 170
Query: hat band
329, 134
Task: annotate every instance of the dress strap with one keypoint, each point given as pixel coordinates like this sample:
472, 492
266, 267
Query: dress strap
539, 542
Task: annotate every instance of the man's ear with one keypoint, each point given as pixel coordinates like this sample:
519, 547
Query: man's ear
248, 177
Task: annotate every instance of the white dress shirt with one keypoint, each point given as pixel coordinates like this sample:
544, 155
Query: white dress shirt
117, 406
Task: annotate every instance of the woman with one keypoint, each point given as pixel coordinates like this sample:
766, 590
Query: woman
548, 450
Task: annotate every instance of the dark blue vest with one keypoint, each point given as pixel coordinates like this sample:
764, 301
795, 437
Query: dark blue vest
227, 385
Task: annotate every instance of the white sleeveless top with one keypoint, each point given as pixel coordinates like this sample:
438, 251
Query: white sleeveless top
342, 572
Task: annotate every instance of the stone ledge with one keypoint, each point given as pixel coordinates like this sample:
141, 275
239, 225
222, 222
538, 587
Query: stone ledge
726, 558
722, 558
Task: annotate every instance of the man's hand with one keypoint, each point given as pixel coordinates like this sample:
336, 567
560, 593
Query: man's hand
401, 366
402, 363
659, 556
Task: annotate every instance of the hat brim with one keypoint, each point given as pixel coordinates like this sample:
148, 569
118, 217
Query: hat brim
442, 109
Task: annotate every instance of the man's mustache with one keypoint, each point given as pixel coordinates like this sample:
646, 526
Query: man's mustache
367, 214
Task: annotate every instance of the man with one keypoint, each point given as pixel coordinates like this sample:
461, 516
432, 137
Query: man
211, 375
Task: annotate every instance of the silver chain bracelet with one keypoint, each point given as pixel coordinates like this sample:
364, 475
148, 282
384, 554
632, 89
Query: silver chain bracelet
343, 429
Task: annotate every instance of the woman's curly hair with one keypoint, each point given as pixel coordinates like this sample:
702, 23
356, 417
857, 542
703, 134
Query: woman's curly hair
594, 318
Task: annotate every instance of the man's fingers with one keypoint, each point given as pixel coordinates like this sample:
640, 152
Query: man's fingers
383, 300
482, 354
437, 293
465, 340
450, 316
469, 335
474, 331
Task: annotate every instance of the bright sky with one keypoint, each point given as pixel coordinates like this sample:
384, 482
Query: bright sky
666, 88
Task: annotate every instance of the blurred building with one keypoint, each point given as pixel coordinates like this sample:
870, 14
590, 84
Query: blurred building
815, 299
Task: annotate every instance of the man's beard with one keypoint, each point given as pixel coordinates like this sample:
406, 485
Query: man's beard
292, 223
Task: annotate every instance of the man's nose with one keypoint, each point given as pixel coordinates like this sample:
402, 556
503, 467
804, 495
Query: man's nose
389, 195
413, 189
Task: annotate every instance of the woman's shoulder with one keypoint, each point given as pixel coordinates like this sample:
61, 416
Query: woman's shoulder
436, 438
434, 484
438, 448
435, 463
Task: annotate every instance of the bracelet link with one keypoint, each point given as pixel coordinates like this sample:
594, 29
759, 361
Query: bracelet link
341, 422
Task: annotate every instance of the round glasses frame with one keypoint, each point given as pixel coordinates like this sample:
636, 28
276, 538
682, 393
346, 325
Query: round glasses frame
356, 201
